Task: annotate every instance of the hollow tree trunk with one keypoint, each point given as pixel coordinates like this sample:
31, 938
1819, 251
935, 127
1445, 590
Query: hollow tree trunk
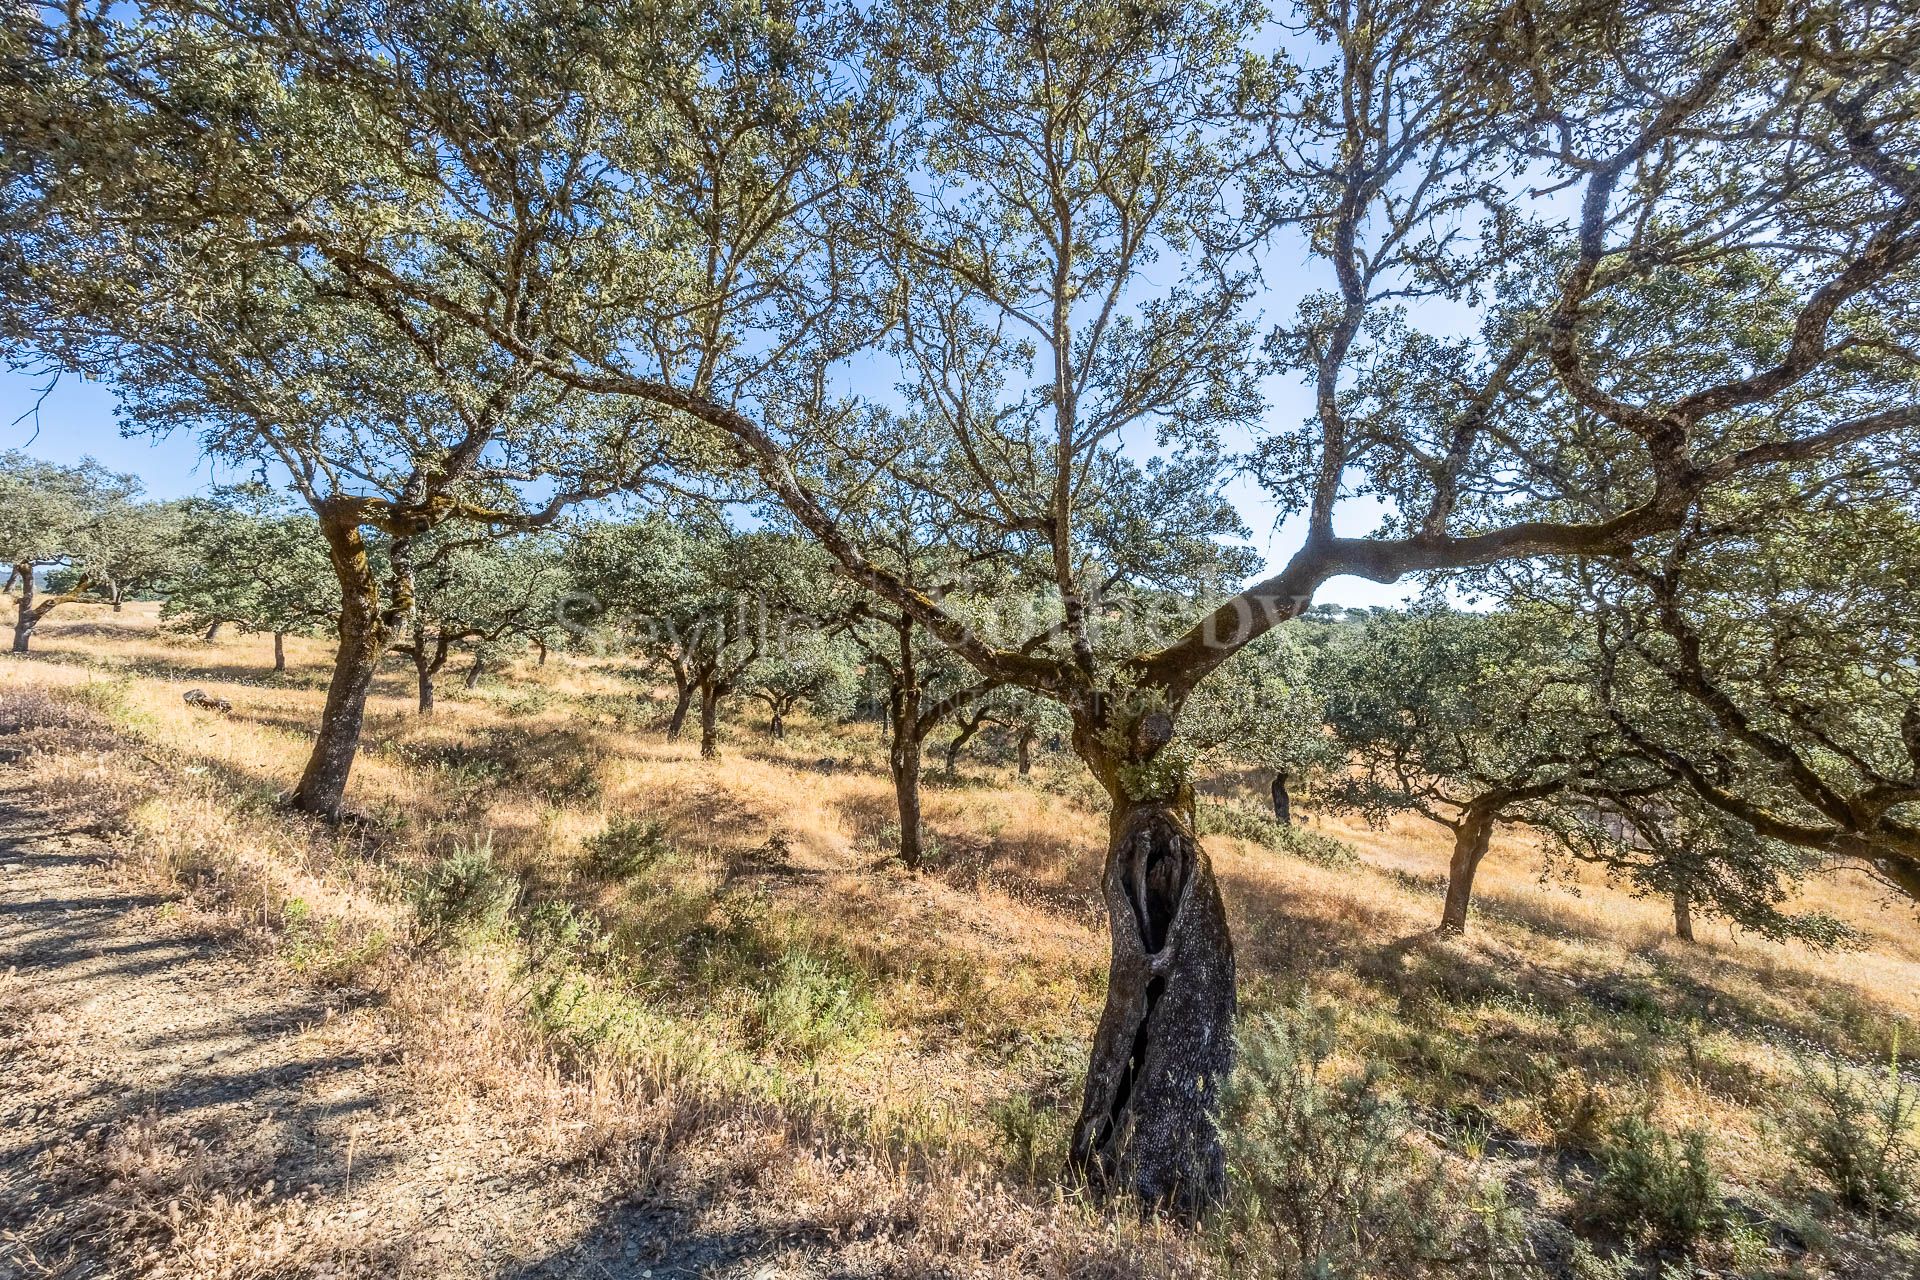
213, 632
1282, 802
709, 722
1682, 909
363, 637
279, 651
1024, 749
26, 619
682, 700
1470, 841
1164, 1045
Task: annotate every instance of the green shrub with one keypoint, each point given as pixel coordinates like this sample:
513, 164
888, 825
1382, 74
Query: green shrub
1324, 1179
812, 1003
1656, 1186
1855, 1130
1231, 818
464, 895
629, 847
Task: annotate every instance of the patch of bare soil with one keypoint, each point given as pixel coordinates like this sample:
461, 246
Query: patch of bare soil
171, 1107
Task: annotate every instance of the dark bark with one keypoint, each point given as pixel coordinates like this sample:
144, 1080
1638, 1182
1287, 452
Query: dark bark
903, 761
541, 645
27, 617
1470, 841
279, 651
682, 700
1023, 747
1164, 1045
710, 695
213, 631
423, 678
777, 724
1282, 802
969, 725
363, 638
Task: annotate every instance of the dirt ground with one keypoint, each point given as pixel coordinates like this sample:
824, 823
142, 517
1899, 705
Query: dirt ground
170, 1109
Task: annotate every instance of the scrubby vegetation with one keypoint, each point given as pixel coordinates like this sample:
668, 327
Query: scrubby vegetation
1564, 1091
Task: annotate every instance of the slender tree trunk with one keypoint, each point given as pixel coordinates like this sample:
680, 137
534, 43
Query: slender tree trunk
115, 596
682, 699
1282, 802
423, 675
969, 725
709, 721
1682, 909
213, 632
26, 619
1164, 1045
279, 651
1470, 841
1024, 749
473, 672
903, 760
777, 723
541, 645
363, 637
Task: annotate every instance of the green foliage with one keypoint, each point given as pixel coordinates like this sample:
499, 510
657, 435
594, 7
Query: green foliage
1232, 818
465, 895
1656, 1186
75, 516
1856, 1131
812, 1002
628, 847
253, 561
1324, 1180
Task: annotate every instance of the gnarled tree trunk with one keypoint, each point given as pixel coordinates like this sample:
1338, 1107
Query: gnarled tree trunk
682, 700
213, 631
1164, 1046
363, 638
709, 721
1470, 841
26, 618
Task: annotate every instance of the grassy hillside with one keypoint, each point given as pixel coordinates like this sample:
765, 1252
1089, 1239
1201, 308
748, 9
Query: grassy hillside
704, 977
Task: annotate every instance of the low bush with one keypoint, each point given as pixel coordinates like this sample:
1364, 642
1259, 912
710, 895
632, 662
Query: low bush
1230, 818
812, 1003
1325, 1180
1656, 1186
464, 895
627, 848
1854, 1129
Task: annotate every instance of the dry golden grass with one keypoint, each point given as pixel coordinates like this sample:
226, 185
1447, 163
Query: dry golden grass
966, 988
